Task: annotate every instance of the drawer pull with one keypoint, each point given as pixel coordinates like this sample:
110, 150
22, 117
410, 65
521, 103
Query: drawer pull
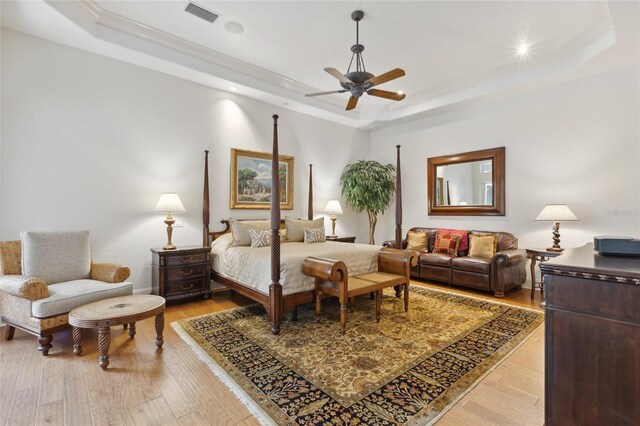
187, 273
185, 287
187, 259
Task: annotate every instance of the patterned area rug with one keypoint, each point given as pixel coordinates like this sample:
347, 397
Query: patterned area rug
407, 369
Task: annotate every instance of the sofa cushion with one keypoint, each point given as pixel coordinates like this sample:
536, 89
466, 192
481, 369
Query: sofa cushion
56, 256
464, 236
295, 227
473, 264
446, 244
482, 245
65, 296
417, 241
436, 259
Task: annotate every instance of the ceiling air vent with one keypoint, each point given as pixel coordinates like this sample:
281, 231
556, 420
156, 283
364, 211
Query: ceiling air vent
200, 12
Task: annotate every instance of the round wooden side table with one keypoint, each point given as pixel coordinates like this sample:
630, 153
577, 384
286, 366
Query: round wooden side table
539, 255
124, 310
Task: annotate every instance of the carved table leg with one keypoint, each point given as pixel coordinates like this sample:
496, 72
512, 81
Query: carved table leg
343, 314
77, 340
406, 297
10, 332
45, 344
378, 304
132, 329
398, 290
159, 329
104, 340
318, 302
533, 275
125, 325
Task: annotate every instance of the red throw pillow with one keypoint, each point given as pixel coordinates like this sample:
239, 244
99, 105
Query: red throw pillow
464, 237
447, 244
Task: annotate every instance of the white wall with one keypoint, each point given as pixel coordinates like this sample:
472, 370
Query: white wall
90, 143
576, 143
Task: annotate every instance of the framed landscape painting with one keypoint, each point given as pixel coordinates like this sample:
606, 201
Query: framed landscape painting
251, 180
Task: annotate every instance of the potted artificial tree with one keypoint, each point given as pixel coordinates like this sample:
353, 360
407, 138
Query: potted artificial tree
368, 186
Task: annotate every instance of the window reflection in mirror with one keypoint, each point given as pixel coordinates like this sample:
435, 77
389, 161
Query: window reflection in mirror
465, 184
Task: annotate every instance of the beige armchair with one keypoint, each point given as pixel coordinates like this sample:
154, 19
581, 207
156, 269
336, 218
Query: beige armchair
46, 275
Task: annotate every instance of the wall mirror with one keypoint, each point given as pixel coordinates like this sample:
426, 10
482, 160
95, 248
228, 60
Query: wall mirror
467, 184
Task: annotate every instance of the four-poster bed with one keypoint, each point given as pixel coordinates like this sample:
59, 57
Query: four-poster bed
360, 258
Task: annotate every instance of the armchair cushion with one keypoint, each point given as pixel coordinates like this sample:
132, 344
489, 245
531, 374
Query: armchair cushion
65, 296
24, 286
56, 257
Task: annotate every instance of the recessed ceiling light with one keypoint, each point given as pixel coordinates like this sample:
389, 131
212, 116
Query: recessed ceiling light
523, 48
233, 89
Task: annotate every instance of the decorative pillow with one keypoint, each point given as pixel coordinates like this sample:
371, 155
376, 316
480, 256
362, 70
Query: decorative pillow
295, 227
417, 241
482, 245
464, 236
260, 238
314, 235
447, 244
56, 257
240, 230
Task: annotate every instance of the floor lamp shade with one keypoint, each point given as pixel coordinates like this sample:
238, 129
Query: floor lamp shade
169, 203
556, 213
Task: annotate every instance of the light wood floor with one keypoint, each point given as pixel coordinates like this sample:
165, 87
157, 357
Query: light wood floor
173, 387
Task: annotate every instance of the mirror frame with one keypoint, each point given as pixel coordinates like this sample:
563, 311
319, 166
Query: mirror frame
497, 155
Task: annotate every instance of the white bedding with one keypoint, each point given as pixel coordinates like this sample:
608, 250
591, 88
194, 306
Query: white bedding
252, 266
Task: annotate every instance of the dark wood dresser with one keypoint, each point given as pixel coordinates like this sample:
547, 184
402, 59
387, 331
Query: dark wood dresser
592, 338
181, 273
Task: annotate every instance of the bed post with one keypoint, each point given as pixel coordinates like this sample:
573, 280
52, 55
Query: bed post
275, 289
310, 206
398, 202
205, 202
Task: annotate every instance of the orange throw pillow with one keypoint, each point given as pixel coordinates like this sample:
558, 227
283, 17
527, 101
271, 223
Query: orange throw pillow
446, 244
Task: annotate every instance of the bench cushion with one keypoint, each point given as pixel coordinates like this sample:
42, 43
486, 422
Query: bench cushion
63, 297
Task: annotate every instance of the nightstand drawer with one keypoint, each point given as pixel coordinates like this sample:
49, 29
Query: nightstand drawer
182, 287
185, 272
186, 259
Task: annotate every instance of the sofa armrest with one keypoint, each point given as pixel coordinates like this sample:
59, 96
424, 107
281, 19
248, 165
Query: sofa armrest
506, 258
109, 272
399, 262
24, 286
392, 244
325, 269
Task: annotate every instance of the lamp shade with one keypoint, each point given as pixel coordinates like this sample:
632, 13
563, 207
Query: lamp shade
169, 202
556, 213
333, 207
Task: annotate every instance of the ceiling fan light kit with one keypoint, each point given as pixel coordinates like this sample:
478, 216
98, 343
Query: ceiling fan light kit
360, 81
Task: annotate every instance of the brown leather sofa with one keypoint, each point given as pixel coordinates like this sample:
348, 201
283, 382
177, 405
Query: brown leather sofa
503, 272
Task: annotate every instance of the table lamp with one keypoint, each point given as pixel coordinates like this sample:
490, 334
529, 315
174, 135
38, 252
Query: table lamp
169, 203
556, 213
333, 208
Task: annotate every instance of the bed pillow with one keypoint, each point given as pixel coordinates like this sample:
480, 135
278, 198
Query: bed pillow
464, 236
240, 230
260, 238
447, 244
295, 227
482, 245
417, 241
314, 235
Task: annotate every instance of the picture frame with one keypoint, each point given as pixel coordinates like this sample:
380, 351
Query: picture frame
251, 180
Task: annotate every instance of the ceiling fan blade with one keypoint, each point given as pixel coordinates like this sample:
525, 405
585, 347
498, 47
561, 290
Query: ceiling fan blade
386, 94
337, 74
325, 93
387, 76
353, 101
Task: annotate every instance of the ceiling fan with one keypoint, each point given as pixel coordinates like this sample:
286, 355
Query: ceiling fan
360, 81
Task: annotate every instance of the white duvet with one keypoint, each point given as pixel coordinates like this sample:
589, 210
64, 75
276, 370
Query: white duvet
252, 266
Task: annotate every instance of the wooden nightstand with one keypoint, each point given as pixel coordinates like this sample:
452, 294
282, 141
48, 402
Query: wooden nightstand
181, 273
343, 239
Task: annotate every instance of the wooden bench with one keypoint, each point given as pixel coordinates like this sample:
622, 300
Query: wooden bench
332, 279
